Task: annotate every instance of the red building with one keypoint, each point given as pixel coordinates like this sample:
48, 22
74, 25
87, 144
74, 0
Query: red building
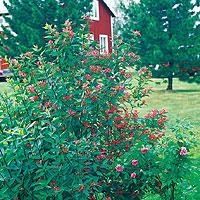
101, 25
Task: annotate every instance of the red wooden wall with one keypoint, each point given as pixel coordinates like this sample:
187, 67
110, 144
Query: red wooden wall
3, 64
103, 26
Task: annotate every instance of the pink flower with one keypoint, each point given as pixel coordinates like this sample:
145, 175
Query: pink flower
87, 170
56, 188
107, 70
31, 88
52, 183
88, 76
133, 175
71, 34
51, 42
163, 111
143, 70
131, 54
152, 137
34, 98
183, 151
122, 72
82, 187
67, 97
119, 168
134, 162
71, 112
48, 104
137, 33
128, 75
120, 126
22, 74
86, 125
84, 111
94, 53
93, 68
145, 150
86, 17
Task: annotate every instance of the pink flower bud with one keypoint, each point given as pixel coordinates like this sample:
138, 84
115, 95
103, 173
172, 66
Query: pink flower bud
144, 150
31, 88
107, 70
133, 175
119, 168
70, 112
134, 162
183, 151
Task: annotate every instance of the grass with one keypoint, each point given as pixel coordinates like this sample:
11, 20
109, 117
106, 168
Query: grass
4, 88
184, 103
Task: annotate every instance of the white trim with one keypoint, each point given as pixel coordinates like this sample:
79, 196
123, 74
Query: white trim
95, 6
106, 43
112, 33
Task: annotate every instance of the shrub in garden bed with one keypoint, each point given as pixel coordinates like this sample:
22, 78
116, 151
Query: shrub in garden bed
71, 129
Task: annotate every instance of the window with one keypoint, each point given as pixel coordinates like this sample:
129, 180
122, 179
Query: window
103, 40
95, 10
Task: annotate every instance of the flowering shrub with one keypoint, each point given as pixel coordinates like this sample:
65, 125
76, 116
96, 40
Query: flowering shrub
71, 129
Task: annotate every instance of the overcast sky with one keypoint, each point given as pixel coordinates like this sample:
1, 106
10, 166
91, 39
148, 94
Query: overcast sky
2, 8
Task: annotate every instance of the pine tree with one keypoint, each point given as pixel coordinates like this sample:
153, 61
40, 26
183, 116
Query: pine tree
28, 17
169, 39
73, 10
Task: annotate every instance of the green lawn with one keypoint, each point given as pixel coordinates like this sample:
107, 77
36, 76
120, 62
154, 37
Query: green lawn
183, 103
4, 88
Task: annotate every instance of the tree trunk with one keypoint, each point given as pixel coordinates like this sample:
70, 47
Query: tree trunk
170, 83
172, 190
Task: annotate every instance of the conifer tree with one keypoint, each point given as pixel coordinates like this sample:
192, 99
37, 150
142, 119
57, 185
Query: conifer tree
28, 17
169, 40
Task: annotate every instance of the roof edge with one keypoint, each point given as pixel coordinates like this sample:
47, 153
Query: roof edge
110, 11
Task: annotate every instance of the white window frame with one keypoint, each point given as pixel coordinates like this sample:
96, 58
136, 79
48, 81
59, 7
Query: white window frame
106, 45
112, 33
95, 9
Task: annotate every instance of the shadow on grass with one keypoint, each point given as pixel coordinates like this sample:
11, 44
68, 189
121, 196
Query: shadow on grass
176, 91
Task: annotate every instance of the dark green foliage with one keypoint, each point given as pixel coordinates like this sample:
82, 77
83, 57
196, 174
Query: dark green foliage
169, 36
30, 16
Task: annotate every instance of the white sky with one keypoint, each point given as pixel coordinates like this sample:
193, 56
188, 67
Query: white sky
2, 8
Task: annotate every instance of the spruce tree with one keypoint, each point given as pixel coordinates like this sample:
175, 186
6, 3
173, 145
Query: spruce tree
169, 41
28, 17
